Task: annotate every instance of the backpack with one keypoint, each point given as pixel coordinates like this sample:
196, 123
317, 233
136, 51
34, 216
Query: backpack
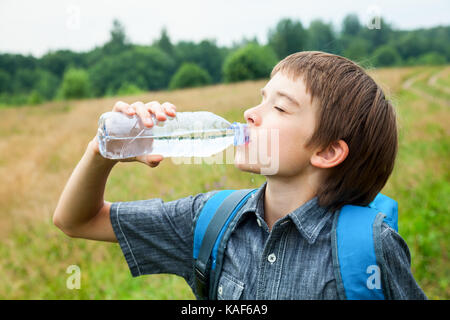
356, 244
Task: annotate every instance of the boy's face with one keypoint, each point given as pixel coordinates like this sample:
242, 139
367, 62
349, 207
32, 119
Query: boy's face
279, 127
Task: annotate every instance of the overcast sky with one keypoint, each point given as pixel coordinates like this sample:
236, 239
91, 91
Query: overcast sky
39, 26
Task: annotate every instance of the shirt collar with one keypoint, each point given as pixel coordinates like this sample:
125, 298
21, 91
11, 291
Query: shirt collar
309, 219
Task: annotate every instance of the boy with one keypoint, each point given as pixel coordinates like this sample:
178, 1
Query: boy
338, 143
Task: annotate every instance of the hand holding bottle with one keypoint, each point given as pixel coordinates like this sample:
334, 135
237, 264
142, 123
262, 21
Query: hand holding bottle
144, 111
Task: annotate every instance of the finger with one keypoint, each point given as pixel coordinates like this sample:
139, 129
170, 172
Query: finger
143, 113
154, 160
169, 109
153, 164
157, 110
121, 106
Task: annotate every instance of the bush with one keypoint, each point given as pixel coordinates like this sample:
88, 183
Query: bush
75, 84
7, 98
357, 49
128, 89
386, 55
190, 75
288, 37
46, 85
5, 81
249, 63
35, 98
146, 67
431, 58
205, 54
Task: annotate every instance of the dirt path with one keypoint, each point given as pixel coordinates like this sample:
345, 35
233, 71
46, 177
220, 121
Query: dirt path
432, 82
408, 85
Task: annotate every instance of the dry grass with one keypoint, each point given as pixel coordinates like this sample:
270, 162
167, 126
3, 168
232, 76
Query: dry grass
41, 145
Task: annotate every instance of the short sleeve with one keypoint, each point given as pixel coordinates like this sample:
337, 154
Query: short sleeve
400, 282
157, 236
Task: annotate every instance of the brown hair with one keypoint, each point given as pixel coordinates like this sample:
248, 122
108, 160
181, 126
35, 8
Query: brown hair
352, 107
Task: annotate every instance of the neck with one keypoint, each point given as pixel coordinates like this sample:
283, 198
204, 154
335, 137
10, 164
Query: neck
285, 194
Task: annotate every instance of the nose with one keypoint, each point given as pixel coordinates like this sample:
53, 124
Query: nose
252, 117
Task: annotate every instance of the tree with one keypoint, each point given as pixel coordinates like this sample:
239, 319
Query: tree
357, 49
46, 85
128, 89
386, 55
190, 75
377, 37
321, 37
411, 44
118, 32
431, 58
58, 61
438, 38
35, 97
13, 62
146, 67
75, 84
118, 41
164, 43
5, 81
288, 37
205, 54
351, 25
24, 80
249, 63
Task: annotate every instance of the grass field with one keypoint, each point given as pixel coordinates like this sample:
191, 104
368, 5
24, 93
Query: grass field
41, 145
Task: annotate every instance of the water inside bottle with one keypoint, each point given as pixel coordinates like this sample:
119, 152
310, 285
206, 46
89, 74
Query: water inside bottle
201, 144
198, 134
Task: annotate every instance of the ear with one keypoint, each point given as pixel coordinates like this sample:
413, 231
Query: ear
331, 156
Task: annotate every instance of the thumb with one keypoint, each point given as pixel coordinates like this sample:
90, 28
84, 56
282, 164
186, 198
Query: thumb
153, 160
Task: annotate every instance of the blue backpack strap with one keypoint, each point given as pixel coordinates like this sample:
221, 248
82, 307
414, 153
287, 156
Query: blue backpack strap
357, 253
389, 207
213, 220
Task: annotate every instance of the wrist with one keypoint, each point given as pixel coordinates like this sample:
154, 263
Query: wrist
93, 153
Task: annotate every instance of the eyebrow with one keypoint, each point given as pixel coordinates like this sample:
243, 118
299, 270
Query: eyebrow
284, 95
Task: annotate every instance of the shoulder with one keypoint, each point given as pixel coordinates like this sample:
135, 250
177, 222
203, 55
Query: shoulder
199, 201
398, 279
393, 245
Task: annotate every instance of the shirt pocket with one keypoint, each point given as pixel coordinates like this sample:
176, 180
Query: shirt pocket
229, 288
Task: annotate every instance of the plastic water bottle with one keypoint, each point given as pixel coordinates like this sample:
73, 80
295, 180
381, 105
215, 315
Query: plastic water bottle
199, 134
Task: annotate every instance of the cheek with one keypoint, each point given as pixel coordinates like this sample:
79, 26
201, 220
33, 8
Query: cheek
292, 151
279, 148
291, 143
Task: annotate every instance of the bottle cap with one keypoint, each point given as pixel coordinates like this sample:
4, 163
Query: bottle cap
241, 133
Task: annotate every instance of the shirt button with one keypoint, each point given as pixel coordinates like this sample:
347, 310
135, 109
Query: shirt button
220, 290
272, 258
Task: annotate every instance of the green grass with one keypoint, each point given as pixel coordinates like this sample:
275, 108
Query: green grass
35, 255
435, 91
421, 184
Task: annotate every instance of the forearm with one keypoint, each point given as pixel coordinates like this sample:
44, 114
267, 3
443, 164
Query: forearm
82, 197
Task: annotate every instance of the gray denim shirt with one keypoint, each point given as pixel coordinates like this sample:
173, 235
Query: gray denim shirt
292, 261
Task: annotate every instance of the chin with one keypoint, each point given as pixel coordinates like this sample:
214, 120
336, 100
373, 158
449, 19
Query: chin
252, 168
266, 170
266, 165
241, 160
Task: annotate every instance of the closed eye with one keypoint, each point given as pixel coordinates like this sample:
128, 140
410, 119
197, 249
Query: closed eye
279, 109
